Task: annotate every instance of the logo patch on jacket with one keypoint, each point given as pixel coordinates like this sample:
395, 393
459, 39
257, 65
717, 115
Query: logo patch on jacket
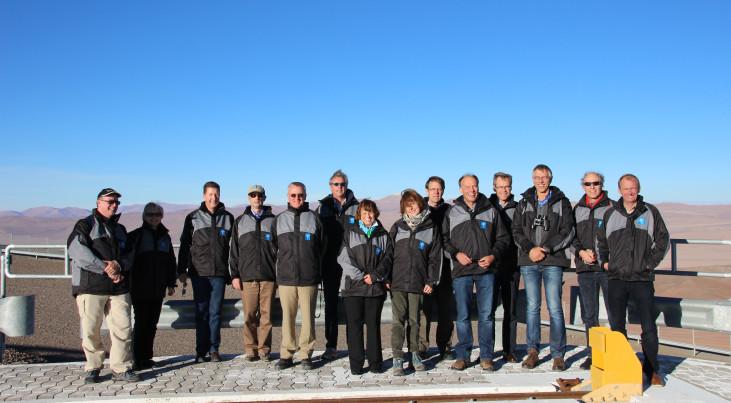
352, 220
483, 224
641, 221
308, 236
600, 223
378, 251
121, 243
422, 244
268, 236
222, 232
164, 245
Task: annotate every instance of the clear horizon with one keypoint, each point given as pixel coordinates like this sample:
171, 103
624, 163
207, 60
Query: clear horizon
154, 99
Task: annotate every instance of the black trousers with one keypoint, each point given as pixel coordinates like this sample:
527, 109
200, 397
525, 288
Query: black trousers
442, 300
643, 293
506, 290
360, 311
331, 290
147, 314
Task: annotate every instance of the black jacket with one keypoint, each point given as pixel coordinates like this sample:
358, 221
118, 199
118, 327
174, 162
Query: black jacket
361, 255
587, 219
154, 268
299, 240
253, 255
476, 233
633, 244
204, 243
437, 215
414, 258
556, 213
334, 222
93, 240
508, 263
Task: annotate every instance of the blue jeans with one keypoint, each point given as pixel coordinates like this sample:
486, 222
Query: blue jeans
589, 284
463, 286
208, 296
552, 279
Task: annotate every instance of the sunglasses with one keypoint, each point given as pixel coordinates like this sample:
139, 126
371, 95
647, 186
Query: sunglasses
297, 195
587, 184
255, 195
110, 202
153, 214
343, 184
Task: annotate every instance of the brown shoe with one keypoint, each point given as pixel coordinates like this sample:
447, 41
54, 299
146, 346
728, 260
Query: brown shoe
657, 380
487, 365
510, 357
459, 365
558, 364
532, 360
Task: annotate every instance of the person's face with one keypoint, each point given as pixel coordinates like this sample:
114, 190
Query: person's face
153, 218
211, 197
296, 196
541, 180
595, 185
367, 217
412, 209
469, 189
107, 206
434, 192
629, 189
256, 200
503, 188
338, 187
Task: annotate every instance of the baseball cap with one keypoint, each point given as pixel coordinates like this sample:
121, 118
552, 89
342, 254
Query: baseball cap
108, 192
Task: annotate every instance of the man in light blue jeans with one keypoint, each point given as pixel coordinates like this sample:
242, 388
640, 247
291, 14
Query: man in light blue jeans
543, 228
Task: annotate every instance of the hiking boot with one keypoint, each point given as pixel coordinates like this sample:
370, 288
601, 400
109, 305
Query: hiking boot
416, 362
215, 357
558, 365
127, 376
199, 358
532, 360
487, 365
284, 363
329, 354
510, 357
92, 376
307, 364
398, 367
459, 365
657, 380
586, 365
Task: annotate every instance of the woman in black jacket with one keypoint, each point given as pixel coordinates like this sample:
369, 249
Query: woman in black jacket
362, 285
154, 270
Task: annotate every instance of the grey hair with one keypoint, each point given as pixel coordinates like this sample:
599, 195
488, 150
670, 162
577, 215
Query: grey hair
542, 167
300, 184
339, 173
466, 175
601, 177
502, 175
152, 206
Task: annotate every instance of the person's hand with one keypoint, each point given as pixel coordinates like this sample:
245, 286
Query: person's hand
427, 289
606, 266
537, 254
463, 259
183, 278
236, 283
367, 279
388, 284
587, 256
112, 268
117, 278
486, 261
171, 291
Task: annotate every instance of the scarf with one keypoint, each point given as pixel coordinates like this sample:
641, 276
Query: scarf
368, 231
414, 221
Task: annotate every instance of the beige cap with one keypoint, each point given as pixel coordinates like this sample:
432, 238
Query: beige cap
257, 189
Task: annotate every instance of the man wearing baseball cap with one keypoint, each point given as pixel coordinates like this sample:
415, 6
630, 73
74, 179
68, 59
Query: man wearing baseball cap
252, 269
100, 264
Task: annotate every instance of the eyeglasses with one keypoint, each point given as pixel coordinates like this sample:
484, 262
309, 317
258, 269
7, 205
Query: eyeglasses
343, 184
255, 195
153, 214
297, 196
110, 202
587, 184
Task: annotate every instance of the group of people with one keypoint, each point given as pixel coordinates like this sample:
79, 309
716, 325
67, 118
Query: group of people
435, 253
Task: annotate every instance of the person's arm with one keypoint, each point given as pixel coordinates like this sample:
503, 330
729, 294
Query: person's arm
233, 259
348, 264
602, 242
521, 240
661, 238
435, 259
79, 249
186, 239
565, 234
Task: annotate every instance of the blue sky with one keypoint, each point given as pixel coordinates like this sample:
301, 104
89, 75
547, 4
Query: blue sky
156, 98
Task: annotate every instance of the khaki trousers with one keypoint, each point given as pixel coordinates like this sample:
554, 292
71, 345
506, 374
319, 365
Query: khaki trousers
290, 296
117, 309
257, 296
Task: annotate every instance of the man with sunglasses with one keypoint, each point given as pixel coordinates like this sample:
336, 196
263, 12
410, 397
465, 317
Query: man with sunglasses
588, 213
203, 255
253, 271
335, 211
298, 237
100, 264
